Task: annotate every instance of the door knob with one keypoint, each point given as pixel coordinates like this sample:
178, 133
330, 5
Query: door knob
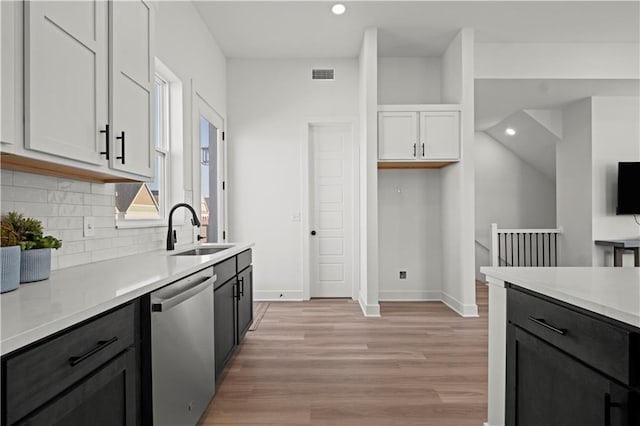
313, 232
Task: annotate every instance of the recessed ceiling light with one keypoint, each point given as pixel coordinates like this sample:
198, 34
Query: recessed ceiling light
338, 9
510, 131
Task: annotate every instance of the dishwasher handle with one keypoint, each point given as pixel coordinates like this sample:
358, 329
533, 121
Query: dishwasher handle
161, 305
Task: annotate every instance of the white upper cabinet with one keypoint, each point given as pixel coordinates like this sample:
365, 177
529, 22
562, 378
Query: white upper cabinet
132, 82
440, 135
415, 136
66, 79
397, 135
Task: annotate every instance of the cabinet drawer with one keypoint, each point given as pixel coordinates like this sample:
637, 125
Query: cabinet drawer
35, 376
224, 271
596, 342
244, 260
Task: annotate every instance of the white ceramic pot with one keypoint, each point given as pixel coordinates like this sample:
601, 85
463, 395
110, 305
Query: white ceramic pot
9, 268
35, 265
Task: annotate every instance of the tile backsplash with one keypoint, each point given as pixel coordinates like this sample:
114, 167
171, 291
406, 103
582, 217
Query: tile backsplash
61, 205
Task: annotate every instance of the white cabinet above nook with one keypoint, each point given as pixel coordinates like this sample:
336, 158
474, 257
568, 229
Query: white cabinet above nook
418, 135
88, 89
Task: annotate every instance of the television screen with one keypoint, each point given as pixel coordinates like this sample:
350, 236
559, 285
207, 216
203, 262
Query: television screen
628, 188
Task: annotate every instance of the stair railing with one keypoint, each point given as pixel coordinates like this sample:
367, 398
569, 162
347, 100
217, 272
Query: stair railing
524, 247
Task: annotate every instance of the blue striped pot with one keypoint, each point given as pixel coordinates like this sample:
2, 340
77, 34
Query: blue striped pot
35, 265
9, 268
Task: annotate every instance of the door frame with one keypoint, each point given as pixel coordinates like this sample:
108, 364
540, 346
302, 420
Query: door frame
306, 159
199, 103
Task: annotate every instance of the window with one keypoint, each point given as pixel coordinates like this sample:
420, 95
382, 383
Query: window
146, 204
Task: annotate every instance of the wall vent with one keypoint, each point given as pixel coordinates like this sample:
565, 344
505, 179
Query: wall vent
323, 74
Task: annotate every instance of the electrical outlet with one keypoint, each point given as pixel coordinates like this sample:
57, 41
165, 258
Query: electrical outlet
89, 226
403, 275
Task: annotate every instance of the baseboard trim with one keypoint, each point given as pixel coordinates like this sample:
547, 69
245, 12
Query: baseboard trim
277, 295
411, 296
467, 311
369, 310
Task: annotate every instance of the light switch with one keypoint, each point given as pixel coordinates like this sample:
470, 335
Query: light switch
89, 226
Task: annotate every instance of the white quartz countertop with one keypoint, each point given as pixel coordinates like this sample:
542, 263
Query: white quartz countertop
71, 295
612, 292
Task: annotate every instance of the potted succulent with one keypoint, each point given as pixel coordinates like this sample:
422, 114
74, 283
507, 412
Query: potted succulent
35, 256
9, 258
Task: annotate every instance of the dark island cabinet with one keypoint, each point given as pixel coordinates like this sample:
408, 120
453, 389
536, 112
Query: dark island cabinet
553, 377
87, 374
233, 306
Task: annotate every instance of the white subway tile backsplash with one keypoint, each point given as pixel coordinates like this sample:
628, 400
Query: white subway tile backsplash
74, 185
61, 204
31, 180
65, 197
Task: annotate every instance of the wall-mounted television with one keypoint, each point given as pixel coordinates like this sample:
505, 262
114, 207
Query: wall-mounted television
628, 188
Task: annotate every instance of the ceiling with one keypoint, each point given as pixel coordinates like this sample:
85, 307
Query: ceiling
305, 29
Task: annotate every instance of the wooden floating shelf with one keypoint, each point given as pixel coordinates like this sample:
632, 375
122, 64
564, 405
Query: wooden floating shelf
413, 164
32, 165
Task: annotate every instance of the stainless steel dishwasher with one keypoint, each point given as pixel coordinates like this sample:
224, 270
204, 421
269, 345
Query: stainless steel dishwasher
182, 351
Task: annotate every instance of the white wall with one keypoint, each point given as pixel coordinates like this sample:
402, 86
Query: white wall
409, 234
560, 60
615, 137
413, 80
184, 44
573, 186
270, 105
509, 192
458, 278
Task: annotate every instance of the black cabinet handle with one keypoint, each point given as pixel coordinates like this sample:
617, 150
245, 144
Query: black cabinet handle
543, 323
121, 138
75, 360
236, 291
242, 286
313, 232
414, 149
106, 140
423, 150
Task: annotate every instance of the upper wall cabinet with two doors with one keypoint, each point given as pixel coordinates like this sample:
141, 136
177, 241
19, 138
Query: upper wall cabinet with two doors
88, 81
418, 135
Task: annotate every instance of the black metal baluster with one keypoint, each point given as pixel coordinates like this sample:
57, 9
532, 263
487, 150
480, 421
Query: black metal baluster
530, 250
549, 244
555, 247
511, 248
537, 250
499, 253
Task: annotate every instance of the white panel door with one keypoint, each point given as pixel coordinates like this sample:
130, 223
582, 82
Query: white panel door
397, 135
331, 148
66, 78
440, 134
132, 78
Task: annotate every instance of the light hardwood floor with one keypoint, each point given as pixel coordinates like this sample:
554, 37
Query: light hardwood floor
322, 363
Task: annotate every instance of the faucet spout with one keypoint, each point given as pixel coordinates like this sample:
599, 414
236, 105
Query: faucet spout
171, 236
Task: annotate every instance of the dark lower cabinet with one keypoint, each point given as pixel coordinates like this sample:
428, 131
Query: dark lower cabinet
87, 374
550, 384
105, 398
245, 302
233, 306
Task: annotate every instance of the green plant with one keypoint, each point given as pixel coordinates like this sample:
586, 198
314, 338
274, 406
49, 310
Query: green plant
27, 232
8, 237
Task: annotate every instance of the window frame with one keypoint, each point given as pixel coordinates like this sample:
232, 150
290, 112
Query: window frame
169, 149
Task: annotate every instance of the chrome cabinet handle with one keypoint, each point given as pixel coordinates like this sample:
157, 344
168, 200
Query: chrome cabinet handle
75, 360
543, 323
106, 139
121, 138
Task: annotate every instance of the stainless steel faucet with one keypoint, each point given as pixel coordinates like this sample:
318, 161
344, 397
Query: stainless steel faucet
171, 234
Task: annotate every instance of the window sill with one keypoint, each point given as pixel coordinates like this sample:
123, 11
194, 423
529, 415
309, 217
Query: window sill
132, 224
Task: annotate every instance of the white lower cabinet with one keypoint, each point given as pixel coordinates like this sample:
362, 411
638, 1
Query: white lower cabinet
419, 136
88, 87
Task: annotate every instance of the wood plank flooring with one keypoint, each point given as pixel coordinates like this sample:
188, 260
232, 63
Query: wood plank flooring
322, 363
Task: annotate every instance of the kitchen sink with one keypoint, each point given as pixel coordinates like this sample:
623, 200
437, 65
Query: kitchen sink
201, 251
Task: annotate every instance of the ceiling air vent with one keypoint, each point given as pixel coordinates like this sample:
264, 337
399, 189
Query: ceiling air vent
322, 74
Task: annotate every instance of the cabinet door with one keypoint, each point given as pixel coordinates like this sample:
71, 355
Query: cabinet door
397, 135
224, 323
547, 387
107, 397
66, 78
440, 135
245, 302
132, 82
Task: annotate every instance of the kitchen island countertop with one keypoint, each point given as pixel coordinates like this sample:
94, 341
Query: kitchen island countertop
37, 310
